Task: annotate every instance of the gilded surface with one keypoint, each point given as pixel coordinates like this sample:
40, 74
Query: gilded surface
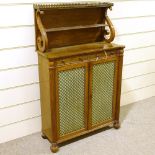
72, 5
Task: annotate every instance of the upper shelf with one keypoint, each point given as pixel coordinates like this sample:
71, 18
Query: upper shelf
66, 24
75, 27
69, 5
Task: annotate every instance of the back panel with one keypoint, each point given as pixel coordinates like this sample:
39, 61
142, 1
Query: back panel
65, 27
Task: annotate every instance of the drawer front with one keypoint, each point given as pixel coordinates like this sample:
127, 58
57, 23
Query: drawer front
71, 100
102, 92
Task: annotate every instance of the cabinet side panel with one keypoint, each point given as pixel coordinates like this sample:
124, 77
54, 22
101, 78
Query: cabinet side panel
45, 96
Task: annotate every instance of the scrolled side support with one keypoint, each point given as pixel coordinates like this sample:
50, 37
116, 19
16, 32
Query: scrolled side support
42, 40
112, 30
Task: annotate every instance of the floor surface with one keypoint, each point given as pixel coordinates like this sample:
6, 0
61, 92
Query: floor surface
135, 137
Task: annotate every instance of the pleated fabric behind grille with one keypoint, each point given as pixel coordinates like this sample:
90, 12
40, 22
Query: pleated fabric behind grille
71, 100
102, 92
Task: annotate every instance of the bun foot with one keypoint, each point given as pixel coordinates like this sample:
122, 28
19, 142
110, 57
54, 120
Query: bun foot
117, 125
43, 136
54, 147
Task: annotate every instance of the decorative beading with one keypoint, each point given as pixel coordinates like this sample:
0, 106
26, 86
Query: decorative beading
72, 5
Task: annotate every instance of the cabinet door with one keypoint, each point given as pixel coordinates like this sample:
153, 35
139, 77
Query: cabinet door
72, 101
102, 91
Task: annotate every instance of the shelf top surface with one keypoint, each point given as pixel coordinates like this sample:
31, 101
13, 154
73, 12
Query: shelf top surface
90, 48
70, 5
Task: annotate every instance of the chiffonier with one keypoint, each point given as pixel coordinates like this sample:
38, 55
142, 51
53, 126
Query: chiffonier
79, 69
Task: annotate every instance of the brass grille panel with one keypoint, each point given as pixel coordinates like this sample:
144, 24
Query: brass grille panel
71, 100
102, 92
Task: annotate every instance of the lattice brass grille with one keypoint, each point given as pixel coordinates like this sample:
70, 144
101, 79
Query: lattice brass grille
102, 92
71, 100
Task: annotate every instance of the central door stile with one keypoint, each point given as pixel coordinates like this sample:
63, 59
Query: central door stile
90, 96
87, 96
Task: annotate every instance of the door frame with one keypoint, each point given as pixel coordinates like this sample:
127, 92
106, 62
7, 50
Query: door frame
66, 68
92, 63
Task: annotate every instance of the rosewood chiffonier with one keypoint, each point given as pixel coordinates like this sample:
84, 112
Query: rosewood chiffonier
79, 69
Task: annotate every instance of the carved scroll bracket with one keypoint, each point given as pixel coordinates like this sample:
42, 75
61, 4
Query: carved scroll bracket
111, 34
42, 40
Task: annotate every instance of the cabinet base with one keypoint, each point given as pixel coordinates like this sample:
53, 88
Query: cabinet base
43, 136
54, 147
116, 125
